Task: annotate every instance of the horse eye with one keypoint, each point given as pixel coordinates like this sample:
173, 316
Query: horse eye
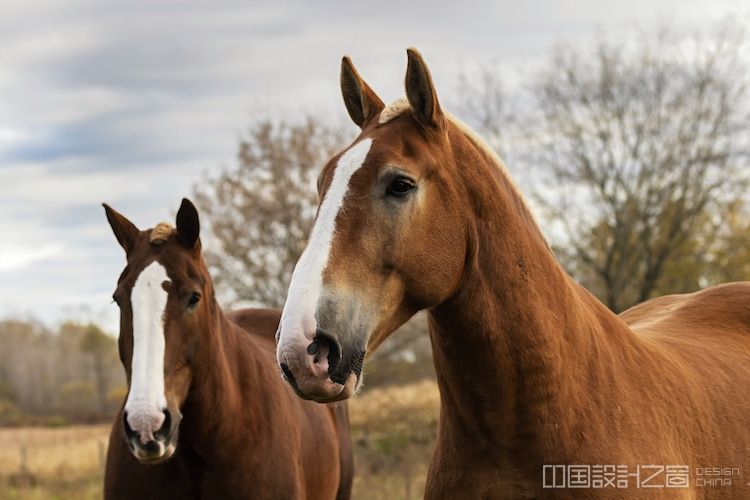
400, 187
195, 297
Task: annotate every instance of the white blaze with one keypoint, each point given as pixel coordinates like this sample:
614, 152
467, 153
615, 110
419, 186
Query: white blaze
146, 400
298, 322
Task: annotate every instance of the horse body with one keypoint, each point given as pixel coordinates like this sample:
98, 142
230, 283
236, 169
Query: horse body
242, 432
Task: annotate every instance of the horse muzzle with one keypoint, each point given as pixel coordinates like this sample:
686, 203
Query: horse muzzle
321, 370
147, 445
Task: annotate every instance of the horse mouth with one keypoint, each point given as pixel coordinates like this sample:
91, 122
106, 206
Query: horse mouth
150, 447
152, 455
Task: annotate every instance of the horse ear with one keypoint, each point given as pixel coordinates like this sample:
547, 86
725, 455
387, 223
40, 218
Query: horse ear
188, 224
420, 92
361, 101
125, 231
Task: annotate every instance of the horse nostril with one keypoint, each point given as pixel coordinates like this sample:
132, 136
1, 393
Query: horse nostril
325, 339
313, 347
166, 425
129, 432
161, 434
351, 362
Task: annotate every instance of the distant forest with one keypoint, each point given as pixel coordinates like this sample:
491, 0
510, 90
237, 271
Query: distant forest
55, 377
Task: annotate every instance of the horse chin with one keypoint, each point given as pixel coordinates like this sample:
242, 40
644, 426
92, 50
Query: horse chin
349, 389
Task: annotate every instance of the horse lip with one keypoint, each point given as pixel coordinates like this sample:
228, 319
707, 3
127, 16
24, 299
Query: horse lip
347, 390
154, 460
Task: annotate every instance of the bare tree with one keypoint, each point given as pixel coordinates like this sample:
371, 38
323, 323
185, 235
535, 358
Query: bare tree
483, 103
101, 348
641, 147
261, 210
730, 255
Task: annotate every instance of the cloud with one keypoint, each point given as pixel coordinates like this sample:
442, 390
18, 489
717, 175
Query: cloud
14, 258
131, 102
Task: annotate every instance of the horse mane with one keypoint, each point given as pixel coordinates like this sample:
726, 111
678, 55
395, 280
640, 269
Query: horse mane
401, 106
161, 233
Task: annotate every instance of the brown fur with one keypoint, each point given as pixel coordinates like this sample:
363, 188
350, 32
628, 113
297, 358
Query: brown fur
532, 368
243, 433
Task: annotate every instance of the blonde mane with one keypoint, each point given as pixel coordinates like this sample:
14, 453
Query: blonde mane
161, 233
393, 110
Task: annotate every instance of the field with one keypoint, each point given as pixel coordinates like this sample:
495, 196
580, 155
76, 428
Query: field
393, 431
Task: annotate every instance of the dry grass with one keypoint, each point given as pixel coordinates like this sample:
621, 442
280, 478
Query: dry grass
393, 431
42, 463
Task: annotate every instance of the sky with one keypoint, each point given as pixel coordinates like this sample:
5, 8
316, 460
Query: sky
133, 103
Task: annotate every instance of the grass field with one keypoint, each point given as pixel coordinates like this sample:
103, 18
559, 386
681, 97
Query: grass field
393, 431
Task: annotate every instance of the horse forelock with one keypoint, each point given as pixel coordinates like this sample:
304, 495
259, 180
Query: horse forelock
161, 233
394, 110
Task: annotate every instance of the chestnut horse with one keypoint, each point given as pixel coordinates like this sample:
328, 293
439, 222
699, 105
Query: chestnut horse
536, 376
211, 379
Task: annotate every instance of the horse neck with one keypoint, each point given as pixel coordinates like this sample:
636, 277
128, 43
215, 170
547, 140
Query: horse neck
512, 345
224, 362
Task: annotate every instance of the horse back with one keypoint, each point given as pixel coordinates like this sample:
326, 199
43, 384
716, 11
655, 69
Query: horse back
721, 312
258, 322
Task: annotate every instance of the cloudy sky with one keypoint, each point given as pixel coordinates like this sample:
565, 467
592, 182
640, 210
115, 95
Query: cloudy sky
133, 102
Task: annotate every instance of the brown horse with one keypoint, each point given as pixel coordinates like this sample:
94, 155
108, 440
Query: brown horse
541, 385
210, 378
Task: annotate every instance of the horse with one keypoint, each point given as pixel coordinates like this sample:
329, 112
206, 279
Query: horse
536, 376
207, 415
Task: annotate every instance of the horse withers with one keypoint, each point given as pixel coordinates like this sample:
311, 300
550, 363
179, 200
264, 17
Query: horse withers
541, 386
207, 415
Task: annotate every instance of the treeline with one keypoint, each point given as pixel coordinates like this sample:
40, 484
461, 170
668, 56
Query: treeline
54, 377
